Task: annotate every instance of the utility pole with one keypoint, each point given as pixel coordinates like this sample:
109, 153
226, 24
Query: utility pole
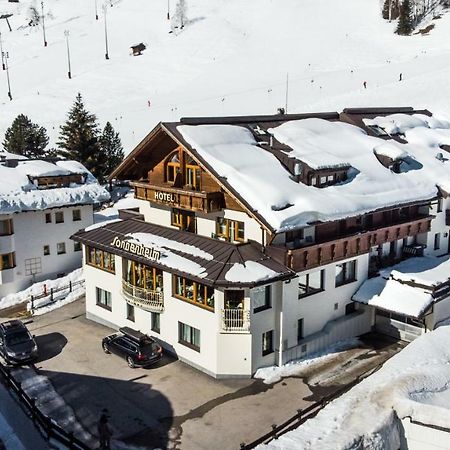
6, 56
66, 34
43, 24
96, 11
168, 9
105, 8
1, 51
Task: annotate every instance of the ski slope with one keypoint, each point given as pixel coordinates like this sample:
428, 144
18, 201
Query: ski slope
232, 58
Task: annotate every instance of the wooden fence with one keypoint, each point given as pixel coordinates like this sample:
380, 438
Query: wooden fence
45, 424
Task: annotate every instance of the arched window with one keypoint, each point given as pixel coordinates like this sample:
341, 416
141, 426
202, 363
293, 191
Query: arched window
193, 173
173, 167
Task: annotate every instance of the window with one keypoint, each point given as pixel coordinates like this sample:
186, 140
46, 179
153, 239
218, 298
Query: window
76, 215
336, 306
77, 246
100, 259
61, 248
300, 335
46, 250
184, 220
323, 180
155, 322
231, 230
311, 283
262, 298
437, 241
7, 261
48, 218
142, 276
345, 273
267, 343
59, 217
189, 336
193, 174
173, 167
103, 298
313, 181
130, 312
6, 227
193, 292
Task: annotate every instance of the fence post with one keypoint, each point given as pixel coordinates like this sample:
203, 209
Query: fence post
32, 303
274, 430
70, 286
51, 294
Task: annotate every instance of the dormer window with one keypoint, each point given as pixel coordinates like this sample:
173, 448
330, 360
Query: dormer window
321, 179
378, 131
173, 167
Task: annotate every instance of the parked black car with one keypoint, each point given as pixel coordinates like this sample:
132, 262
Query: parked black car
17, 346
137, 348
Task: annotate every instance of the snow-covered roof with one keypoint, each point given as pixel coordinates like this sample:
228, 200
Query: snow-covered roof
413, 383
18, 193
264, 184
389, 291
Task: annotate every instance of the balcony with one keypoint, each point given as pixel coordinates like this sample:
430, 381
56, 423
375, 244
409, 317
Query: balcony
146, 299
179, 198
235, 320
305, 258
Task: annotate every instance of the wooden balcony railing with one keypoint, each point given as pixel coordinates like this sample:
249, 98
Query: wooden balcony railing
315, 255
235, 320
179, 198
143, 298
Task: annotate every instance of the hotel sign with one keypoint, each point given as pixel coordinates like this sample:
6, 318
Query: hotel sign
165, 197
137, 249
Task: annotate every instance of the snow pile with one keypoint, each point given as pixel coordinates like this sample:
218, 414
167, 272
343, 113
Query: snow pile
274, 374
128, 201
235, 155
18, 193
389, 291
171, 259
249, 272
43, 287
412, 383
391, 151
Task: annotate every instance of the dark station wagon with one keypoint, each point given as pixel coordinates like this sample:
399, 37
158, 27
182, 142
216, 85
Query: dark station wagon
138, 349
17, 346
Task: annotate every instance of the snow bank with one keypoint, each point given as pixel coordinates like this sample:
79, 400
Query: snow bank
235, 155
17, 193
44, 287
274, 374
412, 383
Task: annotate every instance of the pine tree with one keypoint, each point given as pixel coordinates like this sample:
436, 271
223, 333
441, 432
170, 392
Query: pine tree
26, 138
79, 140
111, 147
405, 22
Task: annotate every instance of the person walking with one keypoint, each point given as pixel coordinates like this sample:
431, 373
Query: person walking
365, 84
104, 432
400, 77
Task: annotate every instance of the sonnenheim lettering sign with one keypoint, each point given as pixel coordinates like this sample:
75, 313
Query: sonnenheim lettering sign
137, 249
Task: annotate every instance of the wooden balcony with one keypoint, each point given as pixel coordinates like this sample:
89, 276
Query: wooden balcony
146, 299
315, 255
179, 198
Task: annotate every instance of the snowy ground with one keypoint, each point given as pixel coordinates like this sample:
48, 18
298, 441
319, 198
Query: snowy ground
414, 383
232, 58
44, 304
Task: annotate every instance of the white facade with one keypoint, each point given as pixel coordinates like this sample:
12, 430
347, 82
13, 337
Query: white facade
31, 233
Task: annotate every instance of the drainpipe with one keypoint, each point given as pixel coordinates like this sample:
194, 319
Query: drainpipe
280, 353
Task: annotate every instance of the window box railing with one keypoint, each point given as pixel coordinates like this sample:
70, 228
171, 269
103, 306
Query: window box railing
235, 320
143, 298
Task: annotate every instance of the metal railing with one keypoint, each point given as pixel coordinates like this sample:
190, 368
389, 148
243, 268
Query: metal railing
235, 320
46, 425
143, 298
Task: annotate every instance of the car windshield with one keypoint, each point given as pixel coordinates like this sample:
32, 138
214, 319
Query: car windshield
19, 337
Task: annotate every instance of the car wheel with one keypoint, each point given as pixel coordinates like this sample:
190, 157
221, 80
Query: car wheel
105, 348
130, 362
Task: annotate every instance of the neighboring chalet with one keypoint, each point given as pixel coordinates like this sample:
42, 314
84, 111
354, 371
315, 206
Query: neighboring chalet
42, 203
255, 232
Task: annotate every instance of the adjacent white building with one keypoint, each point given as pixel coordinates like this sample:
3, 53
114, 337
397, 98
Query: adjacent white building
253, 234
42, 204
